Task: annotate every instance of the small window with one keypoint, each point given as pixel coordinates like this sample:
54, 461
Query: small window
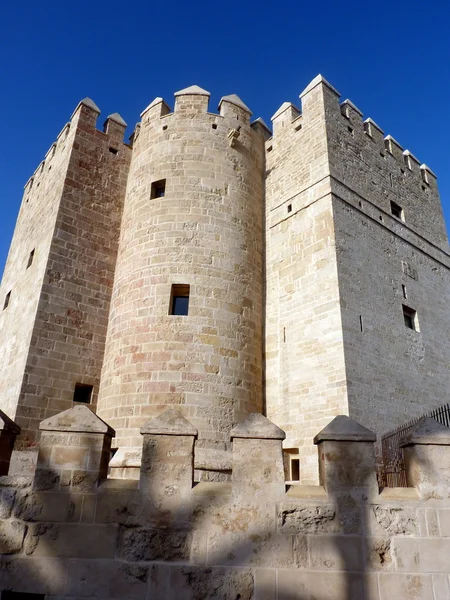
410, 318
404, 292
158, 189
113, 150
351, 130
7, 300
214, 125
397, 211
269, 148
291, 464
83, 393
30, 259
164, 127
179, 299
289, 208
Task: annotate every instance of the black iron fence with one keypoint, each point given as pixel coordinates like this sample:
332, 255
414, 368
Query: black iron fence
392, 471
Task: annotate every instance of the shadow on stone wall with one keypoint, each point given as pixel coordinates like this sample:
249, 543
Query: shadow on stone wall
248, 540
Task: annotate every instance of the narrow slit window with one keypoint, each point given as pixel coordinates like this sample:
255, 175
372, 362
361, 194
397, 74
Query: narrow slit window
83, 393
397, 211
30, 259
289, 208
113, 150
7, 300
410, 318
405, 295
179, 299
158, 189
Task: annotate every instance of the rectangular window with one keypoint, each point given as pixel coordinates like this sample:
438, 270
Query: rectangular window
410, 318
7, 300
158, 189
30, 259
291, 460
179, 299
83, 393
397, 211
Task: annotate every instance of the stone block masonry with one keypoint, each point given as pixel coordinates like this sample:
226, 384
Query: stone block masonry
254, 537
215, 268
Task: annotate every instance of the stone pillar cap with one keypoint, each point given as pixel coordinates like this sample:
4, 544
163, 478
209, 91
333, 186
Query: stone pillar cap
320, 79
193, 90
256, 426
426, 432
260, 121
117, 119
344, 429
7, 424
234, 99
170, 422
284, 107
79, 419
89, 103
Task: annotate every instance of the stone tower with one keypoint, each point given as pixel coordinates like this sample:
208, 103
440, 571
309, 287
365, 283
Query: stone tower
192, 232
357, 275
57, 283
210, 266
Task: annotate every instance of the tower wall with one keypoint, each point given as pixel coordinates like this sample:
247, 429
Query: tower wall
386, 262
205, 232
305, 368
72, 220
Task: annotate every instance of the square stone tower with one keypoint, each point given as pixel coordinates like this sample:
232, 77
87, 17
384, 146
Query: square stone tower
357, 275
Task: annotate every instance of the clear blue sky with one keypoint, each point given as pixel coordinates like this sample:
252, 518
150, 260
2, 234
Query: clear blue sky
391, 58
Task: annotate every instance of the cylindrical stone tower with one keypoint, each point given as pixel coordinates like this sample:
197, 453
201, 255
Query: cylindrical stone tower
191, 242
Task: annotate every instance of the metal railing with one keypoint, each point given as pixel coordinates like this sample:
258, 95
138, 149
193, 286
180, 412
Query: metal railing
392, 472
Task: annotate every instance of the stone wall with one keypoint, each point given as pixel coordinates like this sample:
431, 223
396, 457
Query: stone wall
73, 533
54, 330
205, 231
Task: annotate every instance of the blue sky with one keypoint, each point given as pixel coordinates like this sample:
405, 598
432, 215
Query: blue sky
390, 58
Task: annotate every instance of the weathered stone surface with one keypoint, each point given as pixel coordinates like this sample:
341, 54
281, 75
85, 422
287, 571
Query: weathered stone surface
344, 429
190, 583
151, 544
336, 552
107, 579
12, 534
379, 553
263, 550
6, 502
421, 555
398, 585
393, 520
33, 575
72, 540
79, 418
307, 519
257, 426
170, 422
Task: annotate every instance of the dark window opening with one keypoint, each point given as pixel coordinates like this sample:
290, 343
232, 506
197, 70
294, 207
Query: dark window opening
164, 127
298, 127
397, 210
7, 299
30, 259
269, 149
158, 189
361, 324
405, 295
7, 595
214, 125
289, 208
350, 130
113, 150
410, 318
83, 393
291, 460
179, 299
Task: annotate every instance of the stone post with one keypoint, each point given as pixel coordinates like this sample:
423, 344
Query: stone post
258, 471
167, 468
8, 432
346, 456
427, 458
74, 451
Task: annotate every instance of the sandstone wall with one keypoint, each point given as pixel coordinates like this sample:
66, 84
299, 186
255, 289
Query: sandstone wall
204, 232
383, 263
253, 538
74, 226
305, 368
